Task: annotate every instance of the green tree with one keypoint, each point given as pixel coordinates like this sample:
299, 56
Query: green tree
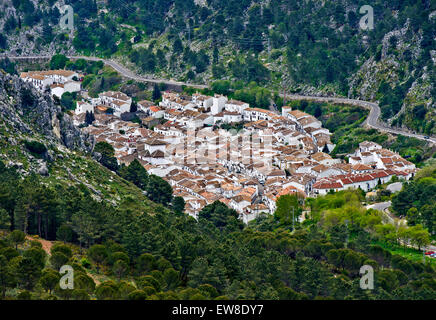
178, 205
177, 46
156, 93
17, 237
145, 263
287, 209
86, 227
419, 236
49, 280
64, 233
64, 249
171, 278
158, 190
5, 219
58, 259
28, 273
107, 155
6, 277
107, 290
47, 32
135, 173
413, 216
84, 282
80, 294
220, 215
137, 295
67, 101
37, 255
98, 254
120, 268
134, 106
58, 61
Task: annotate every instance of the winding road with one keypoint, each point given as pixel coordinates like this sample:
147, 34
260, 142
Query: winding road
374, 115
372, 121
383, 207
117, 67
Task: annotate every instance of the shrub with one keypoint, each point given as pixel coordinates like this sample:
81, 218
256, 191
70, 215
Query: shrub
35, 147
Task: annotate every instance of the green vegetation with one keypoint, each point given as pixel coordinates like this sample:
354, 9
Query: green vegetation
417, 202
68, 100
344, 122
58, 61
139, 253
36, 148
107, 153
281, 44
339, 119
297, 28
7, 66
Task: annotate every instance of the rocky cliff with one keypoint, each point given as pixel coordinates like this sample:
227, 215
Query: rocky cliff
27, 116
26, 110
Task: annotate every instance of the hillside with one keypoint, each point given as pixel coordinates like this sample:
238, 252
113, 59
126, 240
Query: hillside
65, 200
37, 137
309, 47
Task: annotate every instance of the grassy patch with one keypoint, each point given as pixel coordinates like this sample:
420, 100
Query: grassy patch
409, 253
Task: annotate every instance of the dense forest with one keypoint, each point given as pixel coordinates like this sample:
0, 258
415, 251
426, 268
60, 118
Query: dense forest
165, 254
417, 202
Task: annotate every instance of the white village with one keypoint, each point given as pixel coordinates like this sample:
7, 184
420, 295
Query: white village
183, 141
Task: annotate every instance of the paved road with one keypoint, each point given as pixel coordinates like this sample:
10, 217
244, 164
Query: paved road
120, 69
382, 206
374, 115
372, 121
395, 187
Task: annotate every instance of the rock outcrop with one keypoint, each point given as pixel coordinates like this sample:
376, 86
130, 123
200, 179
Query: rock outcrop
33, 113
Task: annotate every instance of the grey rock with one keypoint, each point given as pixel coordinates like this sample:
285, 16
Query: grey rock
34, 113
43, 170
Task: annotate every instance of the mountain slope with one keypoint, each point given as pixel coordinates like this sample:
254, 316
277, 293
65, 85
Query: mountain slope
37, 137
140, 250
304, 46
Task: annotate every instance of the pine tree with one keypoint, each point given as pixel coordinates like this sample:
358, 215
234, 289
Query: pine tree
133, 106
6, 278
156, 93
215, 55
135, 173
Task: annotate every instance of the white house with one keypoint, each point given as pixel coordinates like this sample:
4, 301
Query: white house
152, 145
231, 117
83, 106
202, 101
72, 86
118, 101
57, 90
255, 114
218, 105
236, 106
286, 110
36, 79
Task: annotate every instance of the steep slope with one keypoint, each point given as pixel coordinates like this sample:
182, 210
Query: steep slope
37, 137
311, 47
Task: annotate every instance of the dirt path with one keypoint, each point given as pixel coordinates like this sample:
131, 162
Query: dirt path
46, 245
